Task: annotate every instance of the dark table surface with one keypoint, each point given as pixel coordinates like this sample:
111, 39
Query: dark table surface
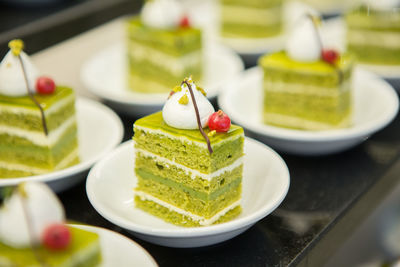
329, 196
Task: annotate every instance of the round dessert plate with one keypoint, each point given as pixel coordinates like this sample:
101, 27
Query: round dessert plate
375, 105
265, 185
118, 250
105, 76
99, 131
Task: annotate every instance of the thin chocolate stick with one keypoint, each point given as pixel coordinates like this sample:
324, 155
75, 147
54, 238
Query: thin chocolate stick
33, 97
339, 72
30, 231
196, 109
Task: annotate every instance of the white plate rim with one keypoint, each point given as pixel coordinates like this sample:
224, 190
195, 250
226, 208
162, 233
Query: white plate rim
100, 230
82, 166
143, 99
309, 136
183, 232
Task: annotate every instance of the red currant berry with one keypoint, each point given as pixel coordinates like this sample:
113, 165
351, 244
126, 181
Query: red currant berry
219, 121
184, 23
56, 236
329, 55
45, 85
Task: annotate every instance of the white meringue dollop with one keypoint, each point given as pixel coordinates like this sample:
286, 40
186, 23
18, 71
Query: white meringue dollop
43, 207
162, 14
183, 116
303, 43
382, 5
12, 80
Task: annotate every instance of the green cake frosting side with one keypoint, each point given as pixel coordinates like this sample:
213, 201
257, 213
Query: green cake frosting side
241, 30
252, 3
177, 218
176, 42
33, 122
369, 19
282, 62
84, 251
46, 101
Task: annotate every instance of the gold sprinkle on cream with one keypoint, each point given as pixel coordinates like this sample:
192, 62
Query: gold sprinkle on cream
184, 100
16, 46
177, 89
212, 133
201, 90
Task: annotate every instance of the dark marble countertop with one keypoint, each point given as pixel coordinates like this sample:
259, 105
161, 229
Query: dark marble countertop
328, 198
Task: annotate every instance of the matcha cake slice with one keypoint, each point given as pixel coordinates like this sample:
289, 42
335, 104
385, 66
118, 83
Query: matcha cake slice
306, 95
373, 35
250, 19
84, 250
25, 149
180, 178
160, 57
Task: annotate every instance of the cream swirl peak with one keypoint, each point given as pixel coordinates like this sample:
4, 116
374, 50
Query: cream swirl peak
303, 43
12, 81
178, 111
382, 5
163, 14
25, 215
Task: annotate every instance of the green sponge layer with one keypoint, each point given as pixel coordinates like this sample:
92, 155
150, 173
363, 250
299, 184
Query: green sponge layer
84, 251
181, 176
178, 218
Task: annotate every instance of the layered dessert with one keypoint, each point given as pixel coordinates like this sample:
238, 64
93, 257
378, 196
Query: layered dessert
188, 161
307, 87
163, 48
38, 129
373, 32
33, 231
250, 19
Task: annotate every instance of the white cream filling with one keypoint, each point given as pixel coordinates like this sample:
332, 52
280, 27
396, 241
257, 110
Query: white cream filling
201, 220
39, 138
175, 65
184, 139
303, 123
36, 112
247, 15
374, 38
192, 173
306, 89
26, 168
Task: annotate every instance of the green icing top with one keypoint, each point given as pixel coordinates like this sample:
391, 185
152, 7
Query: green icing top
46, 101
155, 121
283, 61
135, 23
25, 257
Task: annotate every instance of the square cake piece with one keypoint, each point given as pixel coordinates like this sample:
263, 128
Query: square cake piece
179, 180
25, 149
84, 250
306, 95
159, 58
250, 18
374, 35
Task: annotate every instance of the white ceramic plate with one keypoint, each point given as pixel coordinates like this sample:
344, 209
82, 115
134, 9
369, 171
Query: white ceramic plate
375, 105
99, 131
118, 250
105, 76
110, 183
